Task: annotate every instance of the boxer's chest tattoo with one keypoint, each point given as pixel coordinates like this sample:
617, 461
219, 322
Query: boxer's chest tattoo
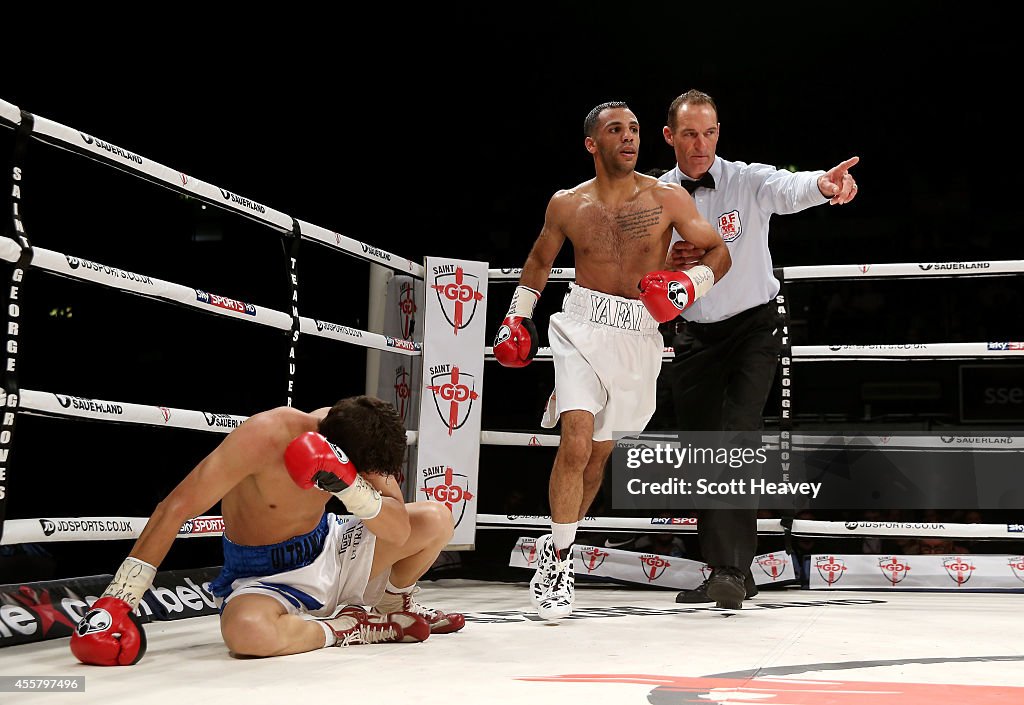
635, 223
616, 232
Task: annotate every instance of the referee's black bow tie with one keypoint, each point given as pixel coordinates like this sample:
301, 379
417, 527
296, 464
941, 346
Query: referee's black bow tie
707, 181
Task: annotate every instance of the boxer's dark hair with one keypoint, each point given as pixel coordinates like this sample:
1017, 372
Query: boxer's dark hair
590, 123
369, 431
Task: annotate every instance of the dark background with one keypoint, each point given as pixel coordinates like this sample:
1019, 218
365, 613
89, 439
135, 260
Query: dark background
443, 130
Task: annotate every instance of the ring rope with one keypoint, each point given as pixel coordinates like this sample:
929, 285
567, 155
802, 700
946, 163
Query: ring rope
153, 288
63, 137
805, 527
820, 353
104, 528
990, 443
51, 530
10, 114
71, 407
924, 270
18, 249
512, 275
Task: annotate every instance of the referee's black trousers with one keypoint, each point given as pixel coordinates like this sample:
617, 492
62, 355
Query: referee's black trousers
721, 377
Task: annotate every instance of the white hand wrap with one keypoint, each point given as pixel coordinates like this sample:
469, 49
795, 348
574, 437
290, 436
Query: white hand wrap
703, 279
131, 581
524, 300
361, 498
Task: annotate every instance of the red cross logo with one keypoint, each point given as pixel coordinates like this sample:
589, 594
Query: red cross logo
456, 393
456, 291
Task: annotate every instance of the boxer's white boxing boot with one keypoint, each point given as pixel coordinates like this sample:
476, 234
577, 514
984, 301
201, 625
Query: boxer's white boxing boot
545, 549
354, 625
553, 587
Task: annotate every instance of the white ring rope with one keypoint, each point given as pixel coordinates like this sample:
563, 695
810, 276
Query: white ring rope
10, 113
939, 351
79, 142
358, 249
815, 353
150, 287
824, 353
503, 438
952, 442
49, 530
512, 275
113, 277
931, 270
69, 406
67, 138
804, 527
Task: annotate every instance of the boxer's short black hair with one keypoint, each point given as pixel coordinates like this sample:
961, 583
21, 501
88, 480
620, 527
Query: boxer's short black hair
590, 123
370, 432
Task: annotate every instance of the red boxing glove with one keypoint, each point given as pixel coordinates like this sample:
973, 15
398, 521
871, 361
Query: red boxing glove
313, 461
515, 345
666, 294
109, 635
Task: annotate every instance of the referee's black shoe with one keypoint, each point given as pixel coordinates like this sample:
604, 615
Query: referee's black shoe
700, 595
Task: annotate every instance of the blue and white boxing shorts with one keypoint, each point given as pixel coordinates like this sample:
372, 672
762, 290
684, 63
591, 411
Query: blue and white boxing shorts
313, 574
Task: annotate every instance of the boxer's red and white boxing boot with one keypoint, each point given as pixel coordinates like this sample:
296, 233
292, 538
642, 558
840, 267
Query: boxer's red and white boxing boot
404, 600
354, 625
553, 586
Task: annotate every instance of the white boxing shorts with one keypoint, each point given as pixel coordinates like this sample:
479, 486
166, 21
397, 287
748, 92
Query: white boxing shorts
316, 573
607, 353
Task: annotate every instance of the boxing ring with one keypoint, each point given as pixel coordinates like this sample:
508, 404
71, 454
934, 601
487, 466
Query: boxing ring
788, 645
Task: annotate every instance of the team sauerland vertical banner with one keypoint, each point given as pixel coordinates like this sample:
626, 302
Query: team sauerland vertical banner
451, 391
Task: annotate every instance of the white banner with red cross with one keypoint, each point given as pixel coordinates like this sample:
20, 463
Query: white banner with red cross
399, 379
651, 568
451, 389
961, 572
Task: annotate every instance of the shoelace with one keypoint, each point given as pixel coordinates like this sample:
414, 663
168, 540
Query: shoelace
560, 583
416, 608
547, 563
369, 634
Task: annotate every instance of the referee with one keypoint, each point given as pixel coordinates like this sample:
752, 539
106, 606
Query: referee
727, 348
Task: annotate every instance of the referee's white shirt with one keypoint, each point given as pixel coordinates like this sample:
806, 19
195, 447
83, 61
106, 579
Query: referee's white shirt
739, 207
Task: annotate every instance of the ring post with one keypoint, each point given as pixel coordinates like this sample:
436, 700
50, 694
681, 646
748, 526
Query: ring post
379, 277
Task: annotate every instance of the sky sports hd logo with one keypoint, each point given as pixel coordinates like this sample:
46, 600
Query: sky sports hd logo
225, 303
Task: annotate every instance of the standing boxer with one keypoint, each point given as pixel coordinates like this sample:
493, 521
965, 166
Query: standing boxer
605, 342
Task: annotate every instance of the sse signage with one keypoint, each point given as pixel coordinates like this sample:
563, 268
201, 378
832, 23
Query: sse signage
991, 393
